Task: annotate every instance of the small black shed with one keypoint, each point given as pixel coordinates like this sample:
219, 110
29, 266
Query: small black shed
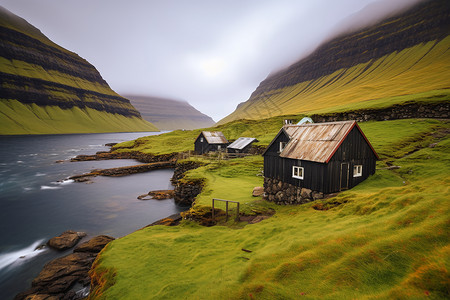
210, 141
321, 157
241, 145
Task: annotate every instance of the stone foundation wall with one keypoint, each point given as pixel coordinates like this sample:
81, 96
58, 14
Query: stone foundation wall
285, 193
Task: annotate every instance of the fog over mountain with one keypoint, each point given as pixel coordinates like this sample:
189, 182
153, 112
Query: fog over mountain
213, 53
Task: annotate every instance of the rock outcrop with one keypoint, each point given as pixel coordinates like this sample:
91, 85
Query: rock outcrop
186, 190
59, 276
65, 240
139, 156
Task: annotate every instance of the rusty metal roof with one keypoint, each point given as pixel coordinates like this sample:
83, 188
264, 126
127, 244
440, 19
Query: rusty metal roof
316, 142
214, 137
241, 143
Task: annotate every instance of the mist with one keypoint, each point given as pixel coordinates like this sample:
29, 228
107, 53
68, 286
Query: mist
212, 54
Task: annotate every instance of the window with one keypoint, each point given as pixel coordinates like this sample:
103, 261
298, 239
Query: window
282, 145
357, 170
201, 140
297, 172
219, 147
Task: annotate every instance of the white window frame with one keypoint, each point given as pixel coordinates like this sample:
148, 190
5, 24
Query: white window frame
282, 146
296, 172
201, 140
357, 170
219, 147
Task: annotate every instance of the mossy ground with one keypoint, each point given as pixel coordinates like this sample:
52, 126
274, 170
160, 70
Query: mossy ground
388, 239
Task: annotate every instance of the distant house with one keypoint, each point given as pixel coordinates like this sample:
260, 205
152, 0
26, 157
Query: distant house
305, 120
303, 162
210, 141
241, 145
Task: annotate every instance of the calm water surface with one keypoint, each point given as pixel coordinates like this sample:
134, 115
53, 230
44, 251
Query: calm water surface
37, 201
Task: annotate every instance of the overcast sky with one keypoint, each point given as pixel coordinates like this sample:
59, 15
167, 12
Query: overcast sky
211, 53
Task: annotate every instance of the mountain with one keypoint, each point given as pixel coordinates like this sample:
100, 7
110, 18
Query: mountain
400, 59
168, 114
48, 89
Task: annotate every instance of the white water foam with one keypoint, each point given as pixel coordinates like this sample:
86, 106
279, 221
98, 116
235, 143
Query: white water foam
21, 255
46, 187
57, 184
64, 182
39, 174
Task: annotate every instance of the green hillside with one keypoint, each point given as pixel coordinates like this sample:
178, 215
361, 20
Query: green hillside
48, 89
402, 59
385, 239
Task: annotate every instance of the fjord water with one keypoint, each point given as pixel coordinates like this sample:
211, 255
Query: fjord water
37, 202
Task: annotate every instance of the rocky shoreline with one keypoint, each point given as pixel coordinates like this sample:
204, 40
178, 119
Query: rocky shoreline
67, 277
123, 171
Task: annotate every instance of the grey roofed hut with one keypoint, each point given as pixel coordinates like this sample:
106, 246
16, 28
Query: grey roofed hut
241, 145
210, 141
321, 157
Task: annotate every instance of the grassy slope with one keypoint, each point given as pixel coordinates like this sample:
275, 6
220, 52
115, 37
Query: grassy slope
21, 68
419, 74
18, 118
389, 238
179, 141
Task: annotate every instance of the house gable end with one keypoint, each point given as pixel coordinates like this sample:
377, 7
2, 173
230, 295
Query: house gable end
274, 146
356, 145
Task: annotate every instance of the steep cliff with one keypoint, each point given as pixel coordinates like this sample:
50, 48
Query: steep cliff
48, 89
169, 114
403, 58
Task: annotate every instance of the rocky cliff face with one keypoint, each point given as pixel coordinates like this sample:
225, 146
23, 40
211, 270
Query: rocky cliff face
35, 72
168, 114
402, 55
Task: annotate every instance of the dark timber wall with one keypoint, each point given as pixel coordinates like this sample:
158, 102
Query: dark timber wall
329, 177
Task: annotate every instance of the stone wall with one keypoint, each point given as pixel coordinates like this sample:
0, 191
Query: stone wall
403, 111
285, 193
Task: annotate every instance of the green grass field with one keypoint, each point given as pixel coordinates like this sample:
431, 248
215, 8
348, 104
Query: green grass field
388, 238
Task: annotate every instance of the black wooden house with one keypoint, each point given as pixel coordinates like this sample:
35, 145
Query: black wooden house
210, 141
320, 157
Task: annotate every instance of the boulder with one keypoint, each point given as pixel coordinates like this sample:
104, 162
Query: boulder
144, 197
306, 193
317, 195
161, 194
279, 196
258, 191
95, 244
65, 240
58, 277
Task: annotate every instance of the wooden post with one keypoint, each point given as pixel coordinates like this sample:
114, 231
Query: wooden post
226, 204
